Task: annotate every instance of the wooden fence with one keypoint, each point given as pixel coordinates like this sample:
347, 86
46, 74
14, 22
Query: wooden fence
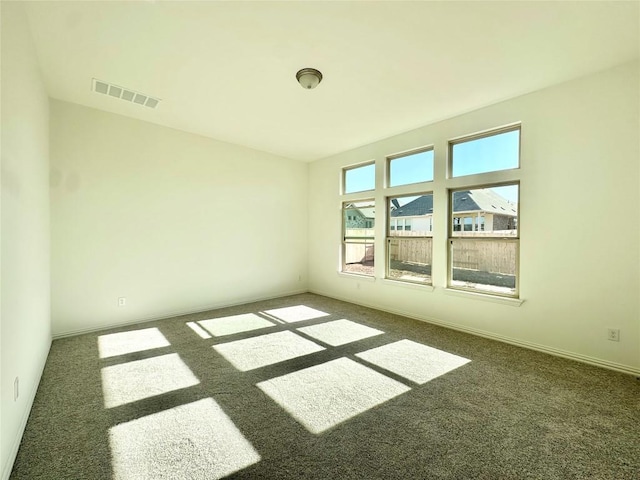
413, 250
358, 253
359, 245
495, 256
485, 255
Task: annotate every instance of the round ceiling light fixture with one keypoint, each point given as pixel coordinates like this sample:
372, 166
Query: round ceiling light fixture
309, 78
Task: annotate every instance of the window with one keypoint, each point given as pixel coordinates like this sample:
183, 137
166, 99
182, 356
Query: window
360, 178
490, 152
473, 204
358, 237
409, 238
483, 219
485, 257
413, 167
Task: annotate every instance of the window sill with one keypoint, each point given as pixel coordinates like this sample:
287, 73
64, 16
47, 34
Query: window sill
514, 302
415, 286
356, 276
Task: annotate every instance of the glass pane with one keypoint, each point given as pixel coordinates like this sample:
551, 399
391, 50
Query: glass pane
486, 154
410, 259
413, 168
485, 212
360, 179
409, 242
359, 258
358, 227
484, 265
411, 215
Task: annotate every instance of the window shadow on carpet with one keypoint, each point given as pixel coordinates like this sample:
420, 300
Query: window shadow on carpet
309, 387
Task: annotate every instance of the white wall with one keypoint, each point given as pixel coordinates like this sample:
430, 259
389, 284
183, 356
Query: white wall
24, 321
579, 263
172, 221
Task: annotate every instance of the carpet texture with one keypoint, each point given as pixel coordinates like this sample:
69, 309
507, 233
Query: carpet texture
307, 387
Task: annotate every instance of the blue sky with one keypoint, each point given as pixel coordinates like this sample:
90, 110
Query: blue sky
411, 169
497, 152
488, 154
360, 179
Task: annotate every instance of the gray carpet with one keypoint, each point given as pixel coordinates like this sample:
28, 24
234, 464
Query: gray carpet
310, 387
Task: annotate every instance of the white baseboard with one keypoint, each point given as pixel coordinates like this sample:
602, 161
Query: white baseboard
13, 452
481, 333
171, 314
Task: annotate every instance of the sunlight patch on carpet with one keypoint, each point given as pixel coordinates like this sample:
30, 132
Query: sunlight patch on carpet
122, 343
339, 332
132, 381
196, 440
245, 322
298, 313
266, 350
201, 332
323, 396
413, 361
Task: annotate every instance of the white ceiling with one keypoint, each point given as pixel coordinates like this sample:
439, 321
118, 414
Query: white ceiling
226, 70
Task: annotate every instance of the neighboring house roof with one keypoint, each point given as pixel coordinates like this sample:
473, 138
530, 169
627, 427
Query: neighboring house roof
420, 206
484, 199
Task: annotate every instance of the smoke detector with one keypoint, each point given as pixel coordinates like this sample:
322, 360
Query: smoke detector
123, 93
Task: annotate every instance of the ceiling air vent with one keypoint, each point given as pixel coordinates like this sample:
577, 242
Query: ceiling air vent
125, 94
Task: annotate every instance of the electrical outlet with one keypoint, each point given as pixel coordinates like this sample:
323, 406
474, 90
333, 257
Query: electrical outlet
613, 334
122, 301
16, 389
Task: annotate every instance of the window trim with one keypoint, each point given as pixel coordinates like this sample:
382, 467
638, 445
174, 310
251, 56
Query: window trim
485, 297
